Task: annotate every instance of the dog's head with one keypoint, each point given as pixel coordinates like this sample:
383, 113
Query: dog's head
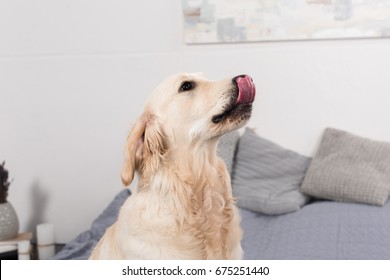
185, 110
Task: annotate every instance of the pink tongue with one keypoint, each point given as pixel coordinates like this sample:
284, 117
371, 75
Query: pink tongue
246, 90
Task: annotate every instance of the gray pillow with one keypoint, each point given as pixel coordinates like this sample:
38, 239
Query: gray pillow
227, 147
349, 168
267, 177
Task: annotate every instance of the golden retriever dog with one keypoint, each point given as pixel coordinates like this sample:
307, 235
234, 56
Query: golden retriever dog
182, 206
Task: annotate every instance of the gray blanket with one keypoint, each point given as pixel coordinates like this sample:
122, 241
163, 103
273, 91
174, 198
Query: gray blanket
320, 230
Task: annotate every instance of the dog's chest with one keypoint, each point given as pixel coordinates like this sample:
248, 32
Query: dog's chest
153, 230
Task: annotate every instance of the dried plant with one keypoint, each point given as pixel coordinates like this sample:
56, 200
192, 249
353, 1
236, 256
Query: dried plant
4, 183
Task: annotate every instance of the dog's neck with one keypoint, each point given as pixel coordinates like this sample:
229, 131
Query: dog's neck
198, 157
195, 164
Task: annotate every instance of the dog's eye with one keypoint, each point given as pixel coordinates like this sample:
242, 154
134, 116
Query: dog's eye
187, 86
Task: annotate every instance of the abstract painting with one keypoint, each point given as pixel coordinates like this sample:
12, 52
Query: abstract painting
224, 21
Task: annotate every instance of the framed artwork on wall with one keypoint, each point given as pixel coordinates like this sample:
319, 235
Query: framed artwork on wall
228, 21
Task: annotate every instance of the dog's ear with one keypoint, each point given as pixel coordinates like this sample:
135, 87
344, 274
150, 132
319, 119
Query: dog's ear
145, 148
155, 141
133, 151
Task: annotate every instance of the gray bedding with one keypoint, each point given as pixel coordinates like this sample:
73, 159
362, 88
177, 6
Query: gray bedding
320, 230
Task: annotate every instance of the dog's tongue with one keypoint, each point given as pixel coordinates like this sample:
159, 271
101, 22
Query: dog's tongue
246, 90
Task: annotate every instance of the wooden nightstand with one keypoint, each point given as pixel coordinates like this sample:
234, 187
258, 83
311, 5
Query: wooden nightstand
8, 248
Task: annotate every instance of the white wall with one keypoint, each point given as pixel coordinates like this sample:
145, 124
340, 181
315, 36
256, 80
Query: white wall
74, 74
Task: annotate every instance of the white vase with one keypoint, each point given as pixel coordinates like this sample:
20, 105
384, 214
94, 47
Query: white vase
9, 223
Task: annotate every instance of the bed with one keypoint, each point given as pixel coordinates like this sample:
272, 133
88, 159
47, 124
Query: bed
329, 207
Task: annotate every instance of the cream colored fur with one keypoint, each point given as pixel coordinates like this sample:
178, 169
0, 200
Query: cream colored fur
182, 207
